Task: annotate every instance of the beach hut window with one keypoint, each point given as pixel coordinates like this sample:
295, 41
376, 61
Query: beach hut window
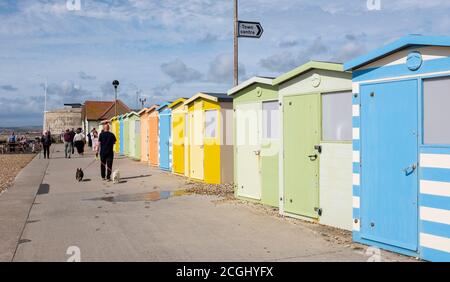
137, 127
211, 118
271, 118
337, 116
436, 114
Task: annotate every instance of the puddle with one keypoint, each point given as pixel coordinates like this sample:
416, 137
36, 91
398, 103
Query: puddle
32, 221
143, 197
23, 241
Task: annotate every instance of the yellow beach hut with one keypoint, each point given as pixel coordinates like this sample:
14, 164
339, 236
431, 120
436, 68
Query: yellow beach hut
178, 124
115, 129
210, 136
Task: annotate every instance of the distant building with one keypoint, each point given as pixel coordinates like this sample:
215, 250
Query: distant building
95, 112
61, 119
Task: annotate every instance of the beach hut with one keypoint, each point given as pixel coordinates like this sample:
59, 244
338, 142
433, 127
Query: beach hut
210, 138
121, 135
153, 128
316, 158
401, 143
115, 129
256, 140
165, 145
143, 115
178, 129
134, 136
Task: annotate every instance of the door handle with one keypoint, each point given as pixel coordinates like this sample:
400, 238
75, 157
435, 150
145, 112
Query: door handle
258, 152
410, 169
313, 157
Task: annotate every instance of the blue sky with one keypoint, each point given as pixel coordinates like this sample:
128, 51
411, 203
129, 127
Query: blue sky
175, 48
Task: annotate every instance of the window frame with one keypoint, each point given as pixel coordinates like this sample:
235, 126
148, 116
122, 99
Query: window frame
340, 91
206, 127
422, 110
263, 129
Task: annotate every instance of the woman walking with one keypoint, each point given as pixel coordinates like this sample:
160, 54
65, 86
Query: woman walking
79, 141
95, 143
46, 141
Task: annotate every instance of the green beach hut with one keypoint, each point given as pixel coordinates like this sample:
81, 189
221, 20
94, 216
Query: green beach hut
317, 156
257, 140
134, 135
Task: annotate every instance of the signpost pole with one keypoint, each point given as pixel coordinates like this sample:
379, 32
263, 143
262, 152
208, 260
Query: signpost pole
236, 44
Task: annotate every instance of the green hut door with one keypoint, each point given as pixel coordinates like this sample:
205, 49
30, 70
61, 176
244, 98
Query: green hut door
301, 157
248, 150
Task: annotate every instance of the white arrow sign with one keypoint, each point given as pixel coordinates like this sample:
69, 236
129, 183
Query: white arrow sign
250, 29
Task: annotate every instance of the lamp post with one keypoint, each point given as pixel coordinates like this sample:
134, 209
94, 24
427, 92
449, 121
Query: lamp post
236, 43
45, 100
116, 85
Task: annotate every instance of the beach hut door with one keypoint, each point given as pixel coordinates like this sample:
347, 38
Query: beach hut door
301, 158
248, 150
389, 161
196, 153
164, 141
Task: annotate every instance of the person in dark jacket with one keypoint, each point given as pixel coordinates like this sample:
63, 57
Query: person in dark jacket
46, 141
106, 142
67, 144
90, 136
72, 135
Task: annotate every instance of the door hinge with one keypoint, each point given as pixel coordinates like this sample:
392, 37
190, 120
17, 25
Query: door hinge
318, 211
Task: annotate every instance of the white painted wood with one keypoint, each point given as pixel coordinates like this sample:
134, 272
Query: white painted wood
396, 78
336, 185
356, 202
355, 88
398, 58
435, 188
356, 157
356, 179
435, 161
435, 215
355, 110
330, 82
355, 133
435, 242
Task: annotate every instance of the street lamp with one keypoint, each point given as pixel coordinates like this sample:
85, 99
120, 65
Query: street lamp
116, 85
45, 99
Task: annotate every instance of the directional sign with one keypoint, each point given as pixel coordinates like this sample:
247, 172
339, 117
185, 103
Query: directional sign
250, 29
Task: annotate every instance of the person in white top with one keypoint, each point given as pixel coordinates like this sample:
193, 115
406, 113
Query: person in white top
79, 141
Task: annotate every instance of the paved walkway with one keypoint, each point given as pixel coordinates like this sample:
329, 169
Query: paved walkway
142, 219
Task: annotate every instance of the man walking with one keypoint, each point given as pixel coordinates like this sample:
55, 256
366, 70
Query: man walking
106, 142
67, 144
72, 135
46, 140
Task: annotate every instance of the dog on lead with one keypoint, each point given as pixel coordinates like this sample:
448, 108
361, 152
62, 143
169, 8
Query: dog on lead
116, 177
79, 175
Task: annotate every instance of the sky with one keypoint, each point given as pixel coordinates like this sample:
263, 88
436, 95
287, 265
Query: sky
168, 49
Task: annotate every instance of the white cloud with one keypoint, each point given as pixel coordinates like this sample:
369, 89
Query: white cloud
221, 69
180, 72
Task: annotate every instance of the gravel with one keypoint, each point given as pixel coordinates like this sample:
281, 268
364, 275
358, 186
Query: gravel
225, 190
10, 166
